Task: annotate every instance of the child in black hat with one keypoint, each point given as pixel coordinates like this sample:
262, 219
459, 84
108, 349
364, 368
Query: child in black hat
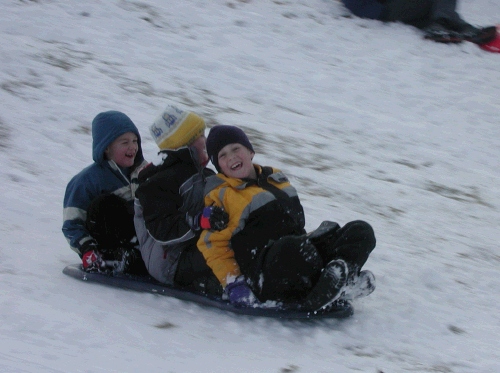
264, 254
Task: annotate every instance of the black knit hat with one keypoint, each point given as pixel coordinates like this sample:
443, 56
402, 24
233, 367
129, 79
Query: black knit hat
222, 135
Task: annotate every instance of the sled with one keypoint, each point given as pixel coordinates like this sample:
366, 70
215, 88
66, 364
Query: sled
147, 284
494, 45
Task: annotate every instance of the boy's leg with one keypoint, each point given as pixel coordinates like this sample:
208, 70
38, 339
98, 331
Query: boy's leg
444, 12
353, 243
446, 9
110, 222
290, 268
414, 12
346, 252
327, 231
194, 273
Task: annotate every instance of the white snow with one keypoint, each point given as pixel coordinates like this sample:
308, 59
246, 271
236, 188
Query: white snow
368, 120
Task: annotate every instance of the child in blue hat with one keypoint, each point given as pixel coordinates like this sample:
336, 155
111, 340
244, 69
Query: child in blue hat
98, 203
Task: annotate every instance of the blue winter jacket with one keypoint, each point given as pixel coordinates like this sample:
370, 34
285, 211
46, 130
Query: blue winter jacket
101, 177
365, 8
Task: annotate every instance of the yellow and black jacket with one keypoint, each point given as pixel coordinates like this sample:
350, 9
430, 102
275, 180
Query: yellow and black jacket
259, 211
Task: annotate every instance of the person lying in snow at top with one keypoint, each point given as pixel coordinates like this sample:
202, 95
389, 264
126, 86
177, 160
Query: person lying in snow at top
438, 19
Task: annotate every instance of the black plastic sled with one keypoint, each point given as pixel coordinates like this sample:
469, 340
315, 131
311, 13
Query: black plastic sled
338, 310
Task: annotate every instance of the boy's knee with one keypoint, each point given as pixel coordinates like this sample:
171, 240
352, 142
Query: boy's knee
109, 221
361, 230
293, 254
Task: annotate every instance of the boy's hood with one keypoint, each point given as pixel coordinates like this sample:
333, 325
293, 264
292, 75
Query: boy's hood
106, 128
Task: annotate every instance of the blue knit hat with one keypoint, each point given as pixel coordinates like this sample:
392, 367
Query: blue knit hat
222, 135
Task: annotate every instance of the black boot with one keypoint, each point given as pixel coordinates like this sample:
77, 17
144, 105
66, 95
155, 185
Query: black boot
441, 34
455, 31
477, 35
132, 262
329, 287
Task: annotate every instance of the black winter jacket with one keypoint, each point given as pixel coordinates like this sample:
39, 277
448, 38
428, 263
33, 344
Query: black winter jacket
166, 194
159, 193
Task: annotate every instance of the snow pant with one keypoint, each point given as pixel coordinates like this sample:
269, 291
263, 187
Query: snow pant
420, 13
178, 264
193, 273
110, 222
352, 243
292, 264
290, 269
371, 9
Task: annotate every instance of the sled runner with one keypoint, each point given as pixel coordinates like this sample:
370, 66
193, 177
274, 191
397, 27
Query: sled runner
340, 309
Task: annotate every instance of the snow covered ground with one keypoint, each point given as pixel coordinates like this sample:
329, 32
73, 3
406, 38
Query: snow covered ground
370, 122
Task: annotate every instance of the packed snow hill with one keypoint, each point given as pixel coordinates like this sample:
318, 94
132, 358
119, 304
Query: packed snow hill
369, 120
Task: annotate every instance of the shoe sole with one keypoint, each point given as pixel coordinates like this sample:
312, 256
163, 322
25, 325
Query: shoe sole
361, 288
446, 40
487, 35
334, 271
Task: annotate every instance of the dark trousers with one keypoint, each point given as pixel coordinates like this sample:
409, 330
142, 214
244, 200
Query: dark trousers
111, 223
194, 273
353, 243
289, 270
292, 265
420, 13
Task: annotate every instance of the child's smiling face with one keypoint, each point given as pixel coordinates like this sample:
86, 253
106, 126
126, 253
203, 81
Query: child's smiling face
235, 160
123, 150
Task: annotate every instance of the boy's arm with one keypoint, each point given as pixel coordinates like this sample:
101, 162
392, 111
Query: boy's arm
76, 202
215, 245
160, 202
219, 256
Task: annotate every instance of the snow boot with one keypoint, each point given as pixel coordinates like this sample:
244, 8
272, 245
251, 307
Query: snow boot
329, 287
133, 263
126, 260
481, 35
455, 31
439, 33
359, 286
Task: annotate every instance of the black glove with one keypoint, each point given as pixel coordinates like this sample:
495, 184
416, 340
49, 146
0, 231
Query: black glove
212, 218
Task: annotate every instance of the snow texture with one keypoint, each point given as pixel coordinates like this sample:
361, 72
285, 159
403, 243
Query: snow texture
369, 121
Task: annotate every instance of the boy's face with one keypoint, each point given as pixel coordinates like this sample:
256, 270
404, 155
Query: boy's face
200, 145
235, 160
123, 150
